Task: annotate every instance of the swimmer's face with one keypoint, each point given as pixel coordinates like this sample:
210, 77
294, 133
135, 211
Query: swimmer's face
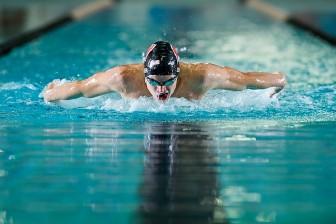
161, 86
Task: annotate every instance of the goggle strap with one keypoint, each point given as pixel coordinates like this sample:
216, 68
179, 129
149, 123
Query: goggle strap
149, 50
175, 52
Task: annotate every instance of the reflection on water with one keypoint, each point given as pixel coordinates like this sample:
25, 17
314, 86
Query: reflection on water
201, 172
180, 182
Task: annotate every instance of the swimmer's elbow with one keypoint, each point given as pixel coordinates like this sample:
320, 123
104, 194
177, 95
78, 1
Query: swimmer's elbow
96, 85
101, 83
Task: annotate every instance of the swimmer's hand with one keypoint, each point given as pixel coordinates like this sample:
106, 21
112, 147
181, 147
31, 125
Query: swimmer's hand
61, 90
49, 90
281, 84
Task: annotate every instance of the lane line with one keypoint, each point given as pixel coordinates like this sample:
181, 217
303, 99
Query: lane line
293, 19
90, 8
268, 9
74, 15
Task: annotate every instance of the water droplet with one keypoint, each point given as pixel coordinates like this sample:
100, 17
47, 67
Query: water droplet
3, 173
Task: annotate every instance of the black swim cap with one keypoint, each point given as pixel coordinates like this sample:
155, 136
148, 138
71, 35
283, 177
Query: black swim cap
161, 59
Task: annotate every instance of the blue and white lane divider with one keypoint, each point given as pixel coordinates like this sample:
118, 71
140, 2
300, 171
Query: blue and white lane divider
74, 15
296, 19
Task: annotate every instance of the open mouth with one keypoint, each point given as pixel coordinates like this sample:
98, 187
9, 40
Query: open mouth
163, 96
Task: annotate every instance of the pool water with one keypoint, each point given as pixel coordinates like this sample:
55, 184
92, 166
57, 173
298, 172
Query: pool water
232, 157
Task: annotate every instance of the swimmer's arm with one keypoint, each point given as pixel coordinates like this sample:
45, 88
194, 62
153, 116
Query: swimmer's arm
97, 84
218, 77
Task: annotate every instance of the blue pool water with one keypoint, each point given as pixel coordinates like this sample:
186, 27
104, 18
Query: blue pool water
232, 157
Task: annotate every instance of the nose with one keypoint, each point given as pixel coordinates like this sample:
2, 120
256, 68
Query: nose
161, 88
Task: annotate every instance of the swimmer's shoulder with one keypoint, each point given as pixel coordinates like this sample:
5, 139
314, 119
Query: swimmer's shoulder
126, 72
123, 77
195, 69
130, 78
129, 69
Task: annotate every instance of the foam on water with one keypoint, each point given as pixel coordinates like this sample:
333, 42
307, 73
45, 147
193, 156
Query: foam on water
213, 101
317, 103
240, 138
16, 85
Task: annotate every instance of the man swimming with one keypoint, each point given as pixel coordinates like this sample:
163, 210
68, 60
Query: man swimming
162, 76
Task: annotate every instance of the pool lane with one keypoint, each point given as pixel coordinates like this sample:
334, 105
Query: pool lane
235, 157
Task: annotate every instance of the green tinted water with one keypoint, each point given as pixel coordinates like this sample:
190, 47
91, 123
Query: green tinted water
233, 157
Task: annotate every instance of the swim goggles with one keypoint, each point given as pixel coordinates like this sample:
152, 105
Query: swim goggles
155, 83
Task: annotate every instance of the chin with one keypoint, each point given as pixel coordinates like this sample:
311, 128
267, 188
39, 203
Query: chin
162, 97
159, 99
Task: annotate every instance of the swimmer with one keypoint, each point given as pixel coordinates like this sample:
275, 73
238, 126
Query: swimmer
162, 76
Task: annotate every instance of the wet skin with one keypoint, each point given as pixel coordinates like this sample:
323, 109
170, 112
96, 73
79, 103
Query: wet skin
193, 82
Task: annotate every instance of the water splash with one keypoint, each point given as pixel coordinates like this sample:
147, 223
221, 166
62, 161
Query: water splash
213, 101
16, 85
